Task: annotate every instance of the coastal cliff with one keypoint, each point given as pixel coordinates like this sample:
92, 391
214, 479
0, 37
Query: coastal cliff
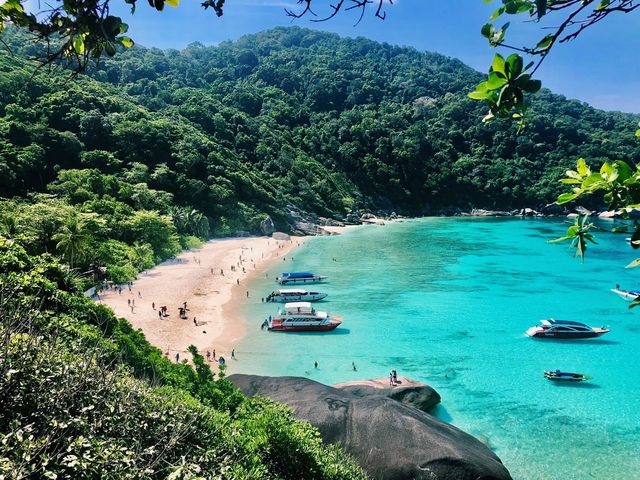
391, 440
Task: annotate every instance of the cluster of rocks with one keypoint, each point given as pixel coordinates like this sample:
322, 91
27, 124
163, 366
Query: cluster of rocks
385, 429
303, 223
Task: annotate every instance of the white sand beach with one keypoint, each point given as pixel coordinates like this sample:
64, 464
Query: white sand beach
204, 280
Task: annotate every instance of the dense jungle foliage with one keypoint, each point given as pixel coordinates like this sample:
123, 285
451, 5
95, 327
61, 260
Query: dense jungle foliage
289, 115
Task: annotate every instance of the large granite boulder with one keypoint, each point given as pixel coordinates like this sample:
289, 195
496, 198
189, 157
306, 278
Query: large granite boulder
418, 395
267, 227
302, 223
390, 440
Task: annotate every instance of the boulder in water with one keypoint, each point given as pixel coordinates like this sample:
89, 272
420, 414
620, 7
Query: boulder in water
390, 440
416, 394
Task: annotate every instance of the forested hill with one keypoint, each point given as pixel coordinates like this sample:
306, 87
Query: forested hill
291, 116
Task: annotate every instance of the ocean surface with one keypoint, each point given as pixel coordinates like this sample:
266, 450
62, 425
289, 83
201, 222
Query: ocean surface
446, 301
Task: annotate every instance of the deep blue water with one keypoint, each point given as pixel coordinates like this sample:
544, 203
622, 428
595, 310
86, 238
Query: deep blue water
446, 301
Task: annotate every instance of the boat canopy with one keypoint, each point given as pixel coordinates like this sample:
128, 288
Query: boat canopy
306, 305
291, 291
553, 321
298, 274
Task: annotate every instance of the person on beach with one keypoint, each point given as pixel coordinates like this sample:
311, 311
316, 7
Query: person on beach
238, 281
153, 305
214, 353
233, 353
395, 375
222, 272
390, 378
208, 356
178, 357
194, 321
160, 314
315, 364
129, 302
247, 293
133, 302
139, 294
262, 299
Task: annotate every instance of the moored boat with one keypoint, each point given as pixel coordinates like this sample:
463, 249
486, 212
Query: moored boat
299, 277
552, 328
628, 295
294, 295
558, 376
301, 317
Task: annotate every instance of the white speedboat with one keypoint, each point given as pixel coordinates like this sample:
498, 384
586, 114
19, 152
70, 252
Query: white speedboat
301, 317
565, 329
299, 277
628, 295
294, 295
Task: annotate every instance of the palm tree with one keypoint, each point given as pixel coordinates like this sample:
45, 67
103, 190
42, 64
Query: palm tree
198, 223
72, 238
9, 227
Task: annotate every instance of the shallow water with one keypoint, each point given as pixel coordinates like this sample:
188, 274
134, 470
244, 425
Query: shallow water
446, 301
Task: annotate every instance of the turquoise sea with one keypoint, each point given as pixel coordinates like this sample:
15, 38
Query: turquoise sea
446, 301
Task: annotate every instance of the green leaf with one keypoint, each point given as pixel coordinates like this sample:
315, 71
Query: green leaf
566, 198
541, 8
545, 43
582, 167
635, 303
498, 63
624, 170
516, 64
78, 44
532, 86
494, 81
126, 42
478, 95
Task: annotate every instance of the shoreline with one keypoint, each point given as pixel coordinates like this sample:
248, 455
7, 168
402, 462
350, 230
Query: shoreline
213, 292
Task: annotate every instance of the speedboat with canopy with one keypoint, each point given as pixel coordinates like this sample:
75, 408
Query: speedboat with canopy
552, 328
302, 317
628, 295
294, 295
299, 277
558, 376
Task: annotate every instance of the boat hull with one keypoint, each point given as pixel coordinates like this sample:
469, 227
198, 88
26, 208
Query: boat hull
289, 281
297, 298
626, 295
566, 336
566, 377
304, 328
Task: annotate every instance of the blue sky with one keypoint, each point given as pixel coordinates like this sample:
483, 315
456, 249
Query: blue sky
601, 67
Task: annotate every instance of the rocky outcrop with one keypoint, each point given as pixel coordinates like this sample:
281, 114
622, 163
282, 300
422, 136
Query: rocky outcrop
267, 227
301, 223
390, 440
418, 395
529, 212
553, 209
583, 211
480, 212
329, 222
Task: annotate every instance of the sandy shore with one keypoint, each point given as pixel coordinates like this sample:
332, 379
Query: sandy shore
204, 280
